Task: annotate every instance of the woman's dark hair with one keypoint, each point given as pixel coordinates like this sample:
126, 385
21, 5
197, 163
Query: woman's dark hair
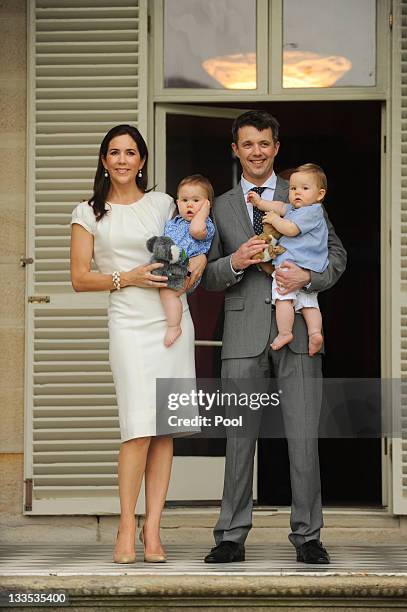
101, 183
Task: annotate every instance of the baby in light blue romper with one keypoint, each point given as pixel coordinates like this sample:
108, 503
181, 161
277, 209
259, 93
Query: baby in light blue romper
305, 238
192, 231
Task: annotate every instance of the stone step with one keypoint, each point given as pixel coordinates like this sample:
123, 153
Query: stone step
226, 593
358, 518
181, 524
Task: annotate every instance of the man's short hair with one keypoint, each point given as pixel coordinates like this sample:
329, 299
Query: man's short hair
319, 174
198, 179
261, 120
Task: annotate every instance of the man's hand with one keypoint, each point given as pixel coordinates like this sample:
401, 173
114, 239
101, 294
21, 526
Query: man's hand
242, 258
290, 277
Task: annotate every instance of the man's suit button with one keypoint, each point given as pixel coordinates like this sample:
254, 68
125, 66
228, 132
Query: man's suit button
268, 300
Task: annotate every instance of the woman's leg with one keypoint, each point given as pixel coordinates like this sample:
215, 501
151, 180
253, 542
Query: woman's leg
132, 464
157, 477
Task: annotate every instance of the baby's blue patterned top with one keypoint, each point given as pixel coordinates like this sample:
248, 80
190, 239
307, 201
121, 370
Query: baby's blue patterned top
178, 230
309, 249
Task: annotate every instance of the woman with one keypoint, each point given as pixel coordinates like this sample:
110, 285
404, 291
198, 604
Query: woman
113, 228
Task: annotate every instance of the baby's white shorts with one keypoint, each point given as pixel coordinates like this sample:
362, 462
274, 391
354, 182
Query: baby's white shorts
302, 299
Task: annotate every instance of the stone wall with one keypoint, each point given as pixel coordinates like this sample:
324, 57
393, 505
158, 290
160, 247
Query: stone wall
13, 104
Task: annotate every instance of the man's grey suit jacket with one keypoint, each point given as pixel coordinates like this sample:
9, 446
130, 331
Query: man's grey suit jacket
248, 319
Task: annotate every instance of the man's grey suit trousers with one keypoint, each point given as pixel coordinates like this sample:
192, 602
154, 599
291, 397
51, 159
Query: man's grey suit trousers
299, 377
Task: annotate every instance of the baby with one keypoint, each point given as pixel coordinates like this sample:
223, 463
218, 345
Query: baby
192, 231
305, 238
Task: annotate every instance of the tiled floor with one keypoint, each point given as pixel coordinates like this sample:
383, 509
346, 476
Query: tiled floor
261, 560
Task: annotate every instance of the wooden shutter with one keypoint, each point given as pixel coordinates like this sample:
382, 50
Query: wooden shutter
399, 257
87, 73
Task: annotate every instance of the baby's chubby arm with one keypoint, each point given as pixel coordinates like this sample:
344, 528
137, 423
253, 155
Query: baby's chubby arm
276, 205
285, 227
197, 227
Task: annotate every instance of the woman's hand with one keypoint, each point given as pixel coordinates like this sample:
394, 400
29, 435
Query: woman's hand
142, 277
196, 268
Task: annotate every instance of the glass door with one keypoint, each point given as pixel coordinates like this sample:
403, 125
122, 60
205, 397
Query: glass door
189, 140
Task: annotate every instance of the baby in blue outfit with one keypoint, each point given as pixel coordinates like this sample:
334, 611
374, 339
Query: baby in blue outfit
305, 238
192, 231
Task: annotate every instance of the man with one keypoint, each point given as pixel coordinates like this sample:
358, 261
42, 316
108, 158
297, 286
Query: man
246, 354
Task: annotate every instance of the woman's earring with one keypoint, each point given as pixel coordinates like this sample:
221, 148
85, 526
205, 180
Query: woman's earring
140, 174
106, 174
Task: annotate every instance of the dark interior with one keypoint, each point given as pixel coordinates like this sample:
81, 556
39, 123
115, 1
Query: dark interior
344, 138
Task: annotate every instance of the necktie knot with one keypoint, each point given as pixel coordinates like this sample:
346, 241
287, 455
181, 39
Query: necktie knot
257, 214
258, 190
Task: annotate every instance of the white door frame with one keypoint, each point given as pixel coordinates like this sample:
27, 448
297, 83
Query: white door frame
193, 478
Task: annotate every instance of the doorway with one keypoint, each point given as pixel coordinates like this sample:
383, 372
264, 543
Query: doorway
344, 138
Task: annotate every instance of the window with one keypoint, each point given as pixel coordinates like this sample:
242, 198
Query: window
210, 44
252, 50
329, 43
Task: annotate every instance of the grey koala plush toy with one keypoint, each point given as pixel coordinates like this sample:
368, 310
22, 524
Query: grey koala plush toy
175, 262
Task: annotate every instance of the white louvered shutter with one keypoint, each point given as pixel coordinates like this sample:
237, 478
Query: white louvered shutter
399, 258
87, 73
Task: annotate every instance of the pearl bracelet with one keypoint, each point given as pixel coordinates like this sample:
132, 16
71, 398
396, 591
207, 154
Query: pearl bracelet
116, 280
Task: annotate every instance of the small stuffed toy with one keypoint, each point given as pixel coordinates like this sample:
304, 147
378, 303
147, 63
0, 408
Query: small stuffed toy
175, 267
271, 236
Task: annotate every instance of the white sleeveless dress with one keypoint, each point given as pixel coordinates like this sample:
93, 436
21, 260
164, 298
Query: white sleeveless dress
136, 318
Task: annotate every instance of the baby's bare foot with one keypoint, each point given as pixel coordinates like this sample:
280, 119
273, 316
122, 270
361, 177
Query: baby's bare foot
281, 340
173, 332
315, 341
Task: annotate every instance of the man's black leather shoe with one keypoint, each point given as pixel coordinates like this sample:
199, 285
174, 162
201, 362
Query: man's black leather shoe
312, 552
226, 552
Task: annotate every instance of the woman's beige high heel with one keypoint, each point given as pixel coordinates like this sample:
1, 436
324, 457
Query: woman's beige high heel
151, 557
123, 558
